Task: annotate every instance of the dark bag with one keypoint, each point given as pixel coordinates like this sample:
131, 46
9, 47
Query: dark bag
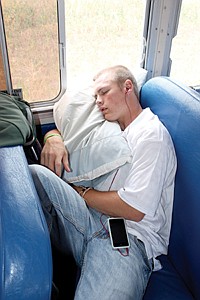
16, 121
17, 125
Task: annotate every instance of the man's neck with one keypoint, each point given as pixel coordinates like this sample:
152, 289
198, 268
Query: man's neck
130, 117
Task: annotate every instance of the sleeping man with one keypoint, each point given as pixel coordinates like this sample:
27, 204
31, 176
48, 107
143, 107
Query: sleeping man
138, 189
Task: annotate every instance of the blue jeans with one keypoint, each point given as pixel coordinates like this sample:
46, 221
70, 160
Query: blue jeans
105, 273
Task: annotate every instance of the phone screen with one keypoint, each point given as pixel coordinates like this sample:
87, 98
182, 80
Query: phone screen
118, 233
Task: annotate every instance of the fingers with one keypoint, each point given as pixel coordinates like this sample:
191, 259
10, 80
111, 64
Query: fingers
58, 166
65, 162
55, 156
58, 162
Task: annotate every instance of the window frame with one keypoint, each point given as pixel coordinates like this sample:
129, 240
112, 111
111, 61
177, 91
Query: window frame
4, 52
160, 27
37, 106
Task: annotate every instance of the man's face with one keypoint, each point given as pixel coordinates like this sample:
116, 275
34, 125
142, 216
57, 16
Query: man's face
110, 98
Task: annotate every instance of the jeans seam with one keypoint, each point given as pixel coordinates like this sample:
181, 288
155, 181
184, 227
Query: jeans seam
70, 220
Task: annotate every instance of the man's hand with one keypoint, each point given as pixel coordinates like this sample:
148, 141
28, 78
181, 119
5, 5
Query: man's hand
54, 154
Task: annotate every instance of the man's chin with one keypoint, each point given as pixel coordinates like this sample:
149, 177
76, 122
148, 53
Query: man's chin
107, 118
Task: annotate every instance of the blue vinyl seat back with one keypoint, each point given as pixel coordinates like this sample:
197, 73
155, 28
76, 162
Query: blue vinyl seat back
25, 250
178, 107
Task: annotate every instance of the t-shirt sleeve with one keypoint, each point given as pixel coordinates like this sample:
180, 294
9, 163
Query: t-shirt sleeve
144, 184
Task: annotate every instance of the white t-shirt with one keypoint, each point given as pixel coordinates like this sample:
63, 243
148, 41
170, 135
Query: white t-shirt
147, 183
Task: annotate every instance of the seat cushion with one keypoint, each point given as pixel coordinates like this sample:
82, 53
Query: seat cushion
166, 284
25, 249
178, 107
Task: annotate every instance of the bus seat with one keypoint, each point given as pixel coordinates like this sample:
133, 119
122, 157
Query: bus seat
178, 107
25, 250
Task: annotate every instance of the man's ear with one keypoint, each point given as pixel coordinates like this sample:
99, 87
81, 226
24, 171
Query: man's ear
128, 85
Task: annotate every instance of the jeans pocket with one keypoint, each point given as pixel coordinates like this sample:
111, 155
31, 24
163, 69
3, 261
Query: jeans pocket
141, 247
102, 234
102, 227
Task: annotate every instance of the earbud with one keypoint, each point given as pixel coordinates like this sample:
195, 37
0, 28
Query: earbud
127, 90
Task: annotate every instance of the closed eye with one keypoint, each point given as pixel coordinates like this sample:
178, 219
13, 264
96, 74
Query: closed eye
103, 92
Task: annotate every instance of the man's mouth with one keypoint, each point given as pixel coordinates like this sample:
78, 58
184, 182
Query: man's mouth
103, 109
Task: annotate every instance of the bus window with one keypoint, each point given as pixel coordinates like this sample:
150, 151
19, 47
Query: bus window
186, 47
31, 29
102, 33
99, 34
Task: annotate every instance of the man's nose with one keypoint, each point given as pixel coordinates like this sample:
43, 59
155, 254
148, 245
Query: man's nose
98, 101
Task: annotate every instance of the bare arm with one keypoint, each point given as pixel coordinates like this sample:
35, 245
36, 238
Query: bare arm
111, 204
54, 154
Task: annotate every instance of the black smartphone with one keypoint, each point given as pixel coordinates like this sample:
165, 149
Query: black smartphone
118, 233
